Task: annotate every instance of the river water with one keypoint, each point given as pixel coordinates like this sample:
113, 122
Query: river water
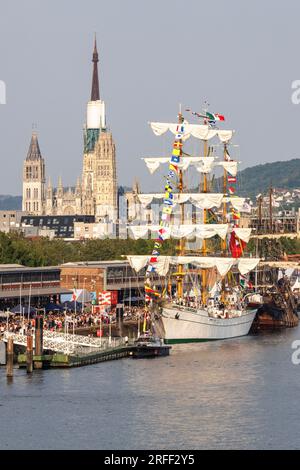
242, 393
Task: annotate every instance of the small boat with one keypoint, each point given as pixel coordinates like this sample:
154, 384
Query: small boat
149, 346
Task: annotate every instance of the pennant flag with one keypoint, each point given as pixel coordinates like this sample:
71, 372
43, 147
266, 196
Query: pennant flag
151, 291
231, 179
167, 210
173, 167
231, 189
174, 159
150, 269
168, 195
177, 144
168, 202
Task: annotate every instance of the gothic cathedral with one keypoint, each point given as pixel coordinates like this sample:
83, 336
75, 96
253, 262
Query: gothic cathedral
96, 191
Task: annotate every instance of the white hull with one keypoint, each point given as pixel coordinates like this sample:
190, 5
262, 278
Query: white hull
195, 325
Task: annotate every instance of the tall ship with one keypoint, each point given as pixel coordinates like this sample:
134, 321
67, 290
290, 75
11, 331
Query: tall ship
196, 295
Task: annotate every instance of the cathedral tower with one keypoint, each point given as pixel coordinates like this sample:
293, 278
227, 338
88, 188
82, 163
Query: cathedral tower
99, 161
34, 179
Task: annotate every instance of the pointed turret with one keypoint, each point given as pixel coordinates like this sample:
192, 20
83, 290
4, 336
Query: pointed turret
78, 187
60, 189
34, 152
95, 95
34, 179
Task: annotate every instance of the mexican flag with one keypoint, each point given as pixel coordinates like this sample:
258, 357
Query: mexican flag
245, 283
215, 117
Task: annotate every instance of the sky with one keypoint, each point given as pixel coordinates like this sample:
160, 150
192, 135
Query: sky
241, 57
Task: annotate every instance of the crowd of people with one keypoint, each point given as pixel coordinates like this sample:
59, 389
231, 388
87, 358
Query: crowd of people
56, 321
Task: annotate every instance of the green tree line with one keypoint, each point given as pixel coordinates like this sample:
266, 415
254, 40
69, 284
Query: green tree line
15, 249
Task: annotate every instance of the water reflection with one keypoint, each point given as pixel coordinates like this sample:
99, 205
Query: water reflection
240, 393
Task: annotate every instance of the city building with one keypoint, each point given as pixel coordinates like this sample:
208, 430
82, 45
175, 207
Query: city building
98, 276
10, 220
53, 226
95, 192
34, 286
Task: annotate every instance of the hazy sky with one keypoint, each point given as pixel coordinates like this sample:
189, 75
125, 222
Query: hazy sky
239, 56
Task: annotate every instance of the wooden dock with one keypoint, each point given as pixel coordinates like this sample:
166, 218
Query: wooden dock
71, 360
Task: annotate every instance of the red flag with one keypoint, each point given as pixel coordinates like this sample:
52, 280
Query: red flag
236, 246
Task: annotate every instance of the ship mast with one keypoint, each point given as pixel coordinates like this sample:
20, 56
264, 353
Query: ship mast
181, 243
224, 217
223, 244
271, 208
204, 244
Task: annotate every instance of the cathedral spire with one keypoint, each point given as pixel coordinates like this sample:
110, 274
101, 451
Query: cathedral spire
34, 152
95, 95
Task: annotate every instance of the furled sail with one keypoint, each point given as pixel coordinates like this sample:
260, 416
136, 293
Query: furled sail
199, 131
243, 233
180, 231
223, 265
202, 164
201, 200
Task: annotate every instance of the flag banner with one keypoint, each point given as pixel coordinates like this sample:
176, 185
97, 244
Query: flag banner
231, 179
236, 246
245, 283
215, 117
231, 189
74, 295
169, 195
104, 298
167, 208
173, 167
